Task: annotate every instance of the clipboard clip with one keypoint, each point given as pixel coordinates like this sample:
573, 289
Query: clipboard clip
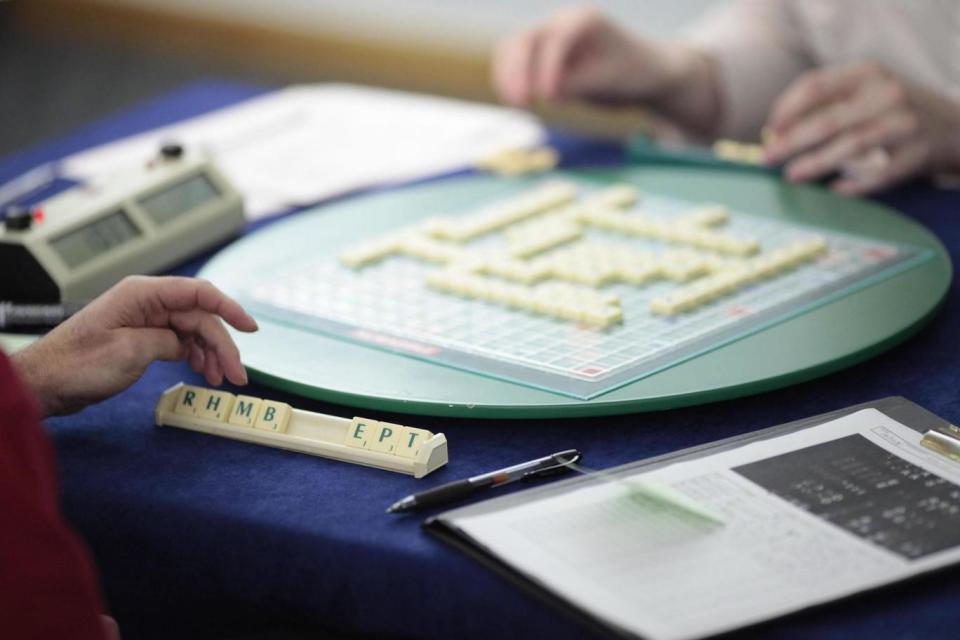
554, 464
946, 441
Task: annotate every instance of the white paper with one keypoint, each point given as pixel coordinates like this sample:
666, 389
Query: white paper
303, 144
652, 571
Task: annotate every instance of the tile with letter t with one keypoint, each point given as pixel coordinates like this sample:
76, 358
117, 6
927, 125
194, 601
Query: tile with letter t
411, 440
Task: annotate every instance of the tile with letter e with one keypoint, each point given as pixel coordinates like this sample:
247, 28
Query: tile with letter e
245, 411
411, 440
274, 416
361, 433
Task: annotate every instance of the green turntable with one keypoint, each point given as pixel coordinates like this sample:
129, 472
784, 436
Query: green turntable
577, 293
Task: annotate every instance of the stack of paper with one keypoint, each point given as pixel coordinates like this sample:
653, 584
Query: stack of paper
810, 516
304, 144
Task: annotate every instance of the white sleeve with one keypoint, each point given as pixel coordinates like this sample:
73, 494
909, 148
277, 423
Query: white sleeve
759, 48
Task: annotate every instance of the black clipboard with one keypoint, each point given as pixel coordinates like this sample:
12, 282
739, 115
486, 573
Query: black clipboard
897, 408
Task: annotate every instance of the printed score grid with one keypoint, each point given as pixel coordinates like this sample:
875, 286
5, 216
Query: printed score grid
574, 287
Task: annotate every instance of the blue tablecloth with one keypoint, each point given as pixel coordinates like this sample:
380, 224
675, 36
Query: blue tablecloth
193, 532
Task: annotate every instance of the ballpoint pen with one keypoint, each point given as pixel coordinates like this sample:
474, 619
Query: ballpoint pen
460, 489
14, 315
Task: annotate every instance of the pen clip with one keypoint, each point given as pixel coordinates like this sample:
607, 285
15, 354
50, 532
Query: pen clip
559, 462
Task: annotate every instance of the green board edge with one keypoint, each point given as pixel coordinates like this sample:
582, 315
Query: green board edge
863, 324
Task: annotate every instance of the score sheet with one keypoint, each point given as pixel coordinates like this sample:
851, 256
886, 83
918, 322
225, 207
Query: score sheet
809, 517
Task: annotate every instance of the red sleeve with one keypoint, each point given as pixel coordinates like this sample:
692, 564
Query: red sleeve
48, 589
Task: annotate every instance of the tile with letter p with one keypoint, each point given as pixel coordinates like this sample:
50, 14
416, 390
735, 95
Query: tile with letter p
386, 437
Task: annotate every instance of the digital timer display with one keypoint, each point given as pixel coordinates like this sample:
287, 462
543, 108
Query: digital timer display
95, 238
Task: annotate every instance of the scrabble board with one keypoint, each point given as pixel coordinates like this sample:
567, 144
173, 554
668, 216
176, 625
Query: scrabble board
576, 286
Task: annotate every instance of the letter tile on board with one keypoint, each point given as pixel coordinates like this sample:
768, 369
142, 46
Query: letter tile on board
411, 440
215, 405
361, 433
188, 402
273, 416
245, 411
386, 437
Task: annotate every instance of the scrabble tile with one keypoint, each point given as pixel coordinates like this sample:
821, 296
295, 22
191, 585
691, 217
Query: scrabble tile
512, 162
274, 416
536, 237
640, 274
430, 249
708, 215
542, 159
369, 252
607, 316
741, 152
598, 315
410, 441
618, 196
245, 411
663, 305
386, 437
361, 433
188, 402
215, 405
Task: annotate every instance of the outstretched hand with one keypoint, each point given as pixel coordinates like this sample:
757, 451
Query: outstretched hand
108, 345
576, 53
581, 55
865, 124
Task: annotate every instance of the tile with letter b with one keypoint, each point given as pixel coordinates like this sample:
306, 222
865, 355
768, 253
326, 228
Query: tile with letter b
188, 402
361, 433
273, 416
215, 405
386, 437
245, 411
411, 440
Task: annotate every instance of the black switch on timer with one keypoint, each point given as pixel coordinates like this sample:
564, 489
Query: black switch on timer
171, 151
17, 218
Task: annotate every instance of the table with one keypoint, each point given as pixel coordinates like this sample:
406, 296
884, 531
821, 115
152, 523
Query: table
197, 535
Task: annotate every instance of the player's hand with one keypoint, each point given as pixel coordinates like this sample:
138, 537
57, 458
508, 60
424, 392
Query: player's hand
576, 54
106, 347
864, 123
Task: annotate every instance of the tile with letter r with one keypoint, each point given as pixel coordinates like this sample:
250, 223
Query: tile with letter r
189, 400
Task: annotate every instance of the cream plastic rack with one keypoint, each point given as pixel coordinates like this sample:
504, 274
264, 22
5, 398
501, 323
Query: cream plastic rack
371, 443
